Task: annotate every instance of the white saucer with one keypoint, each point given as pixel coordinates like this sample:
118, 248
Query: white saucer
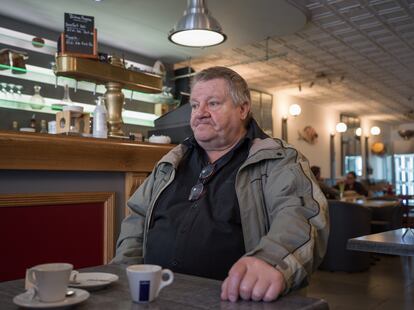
27, 129
25, 300
93, 280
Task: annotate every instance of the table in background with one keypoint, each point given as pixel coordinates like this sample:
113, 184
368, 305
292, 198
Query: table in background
378, 203
389, 242
186, 292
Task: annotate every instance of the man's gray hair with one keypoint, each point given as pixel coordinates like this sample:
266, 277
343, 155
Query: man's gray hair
238, 89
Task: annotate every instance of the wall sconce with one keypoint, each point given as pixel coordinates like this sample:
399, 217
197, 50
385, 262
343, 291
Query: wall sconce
341, 127
367, 167
284, 128
294, 110
375, 130
332, 156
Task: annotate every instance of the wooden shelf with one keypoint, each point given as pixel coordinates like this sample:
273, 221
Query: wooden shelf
83, 69
34, 151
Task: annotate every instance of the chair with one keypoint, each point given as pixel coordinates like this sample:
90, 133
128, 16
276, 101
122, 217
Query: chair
386, 218
347, 220
407, 204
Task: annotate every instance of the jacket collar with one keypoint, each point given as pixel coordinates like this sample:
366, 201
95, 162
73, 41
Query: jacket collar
262, 147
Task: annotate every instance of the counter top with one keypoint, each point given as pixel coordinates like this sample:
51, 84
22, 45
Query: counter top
35, 151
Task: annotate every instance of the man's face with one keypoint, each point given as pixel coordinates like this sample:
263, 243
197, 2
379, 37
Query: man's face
215, 120
350, 179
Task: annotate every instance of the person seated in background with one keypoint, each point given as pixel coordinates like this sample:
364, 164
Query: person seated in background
351, 184
229, 203
329, 192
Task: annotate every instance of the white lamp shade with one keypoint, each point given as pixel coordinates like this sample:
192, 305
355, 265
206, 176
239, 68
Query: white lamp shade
295, 109
341, 127
358, 132
375, 130
197, 38
197, 27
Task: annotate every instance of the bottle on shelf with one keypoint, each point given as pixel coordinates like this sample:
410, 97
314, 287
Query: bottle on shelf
15, 125
100, 128
66, 95
43, 126
37, 101
33, 121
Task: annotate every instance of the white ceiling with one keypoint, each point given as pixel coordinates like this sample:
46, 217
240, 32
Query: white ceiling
142, 26
355, 56
358, 55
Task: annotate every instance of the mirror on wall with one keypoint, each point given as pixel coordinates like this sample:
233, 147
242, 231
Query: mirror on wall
351, 155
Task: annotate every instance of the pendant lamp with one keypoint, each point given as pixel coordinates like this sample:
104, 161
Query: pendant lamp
197, 28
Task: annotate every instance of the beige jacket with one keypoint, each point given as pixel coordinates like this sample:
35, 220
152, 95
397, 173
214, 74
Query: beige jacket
283, 212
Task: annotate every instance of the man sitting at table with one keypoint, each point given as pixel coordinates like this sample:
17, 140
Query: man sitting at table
351, 184
229, 203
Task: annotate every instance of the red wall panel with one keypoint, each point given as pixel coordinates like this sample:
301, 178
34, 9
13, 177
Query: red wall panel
34, 235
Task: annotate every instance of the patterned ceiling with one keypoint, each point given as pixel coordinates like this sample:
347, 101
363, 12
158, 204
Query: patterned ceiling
355, 56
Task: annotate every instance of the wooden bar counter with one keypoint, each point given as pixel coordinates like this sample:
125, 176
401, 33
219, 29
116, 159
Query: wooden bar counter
59, 188
33, 151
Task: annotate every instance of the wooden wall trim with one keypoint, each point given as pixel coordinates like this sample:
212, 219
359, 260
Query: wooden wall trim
34, 151
107, 198
132, 182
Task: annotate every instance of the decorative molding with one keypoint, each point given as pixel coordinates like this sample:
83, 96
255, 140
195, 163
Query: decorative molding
107, 198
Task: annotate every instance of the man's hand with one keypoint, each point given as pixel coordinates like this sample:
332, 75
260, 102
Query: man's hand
252, 278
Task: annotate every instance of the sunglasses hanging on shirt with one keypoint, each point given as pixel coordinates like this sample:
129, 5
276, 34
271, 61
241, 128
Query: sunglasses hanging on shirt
198, 190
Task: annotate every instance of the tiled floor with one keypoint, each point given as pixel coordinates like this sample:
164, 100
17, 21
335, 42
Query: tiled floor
389, 284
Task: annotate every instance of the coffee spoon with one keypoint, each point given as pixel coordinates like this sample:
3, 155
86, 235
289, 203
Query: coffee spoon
70, 293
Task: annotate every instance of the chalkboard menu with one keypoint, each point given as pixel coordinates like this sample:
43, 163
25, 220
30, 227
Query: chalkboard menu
79, 35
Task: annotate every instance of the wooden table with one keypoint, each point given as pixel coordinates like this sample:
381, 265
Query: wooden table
377, 203
389, 242
186, 292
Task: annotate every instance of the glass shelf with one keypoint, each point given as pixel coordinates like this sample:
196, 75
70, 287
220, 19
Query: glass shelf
22, 102
22, 40
19, 41
46, 76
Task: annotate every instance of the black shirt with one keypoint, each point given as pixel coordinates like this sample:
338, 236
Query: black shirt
202, 237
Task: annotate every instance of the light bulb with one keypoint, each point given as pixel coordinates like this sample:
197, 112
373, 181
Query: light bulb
294, 109
341, 127
375, 130
358, 131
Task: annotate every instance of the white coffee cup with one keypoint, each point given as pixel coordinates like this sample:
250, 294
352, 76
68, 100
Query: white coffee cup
50, 281
146, 281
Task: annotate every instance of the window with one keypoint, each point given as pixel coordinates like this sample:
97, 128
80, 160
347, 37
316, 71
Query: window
353, 163
404, 174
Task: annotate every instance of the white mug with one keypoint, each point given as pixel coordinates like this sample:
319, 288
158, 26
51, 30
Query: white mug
145, 281
50, 281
